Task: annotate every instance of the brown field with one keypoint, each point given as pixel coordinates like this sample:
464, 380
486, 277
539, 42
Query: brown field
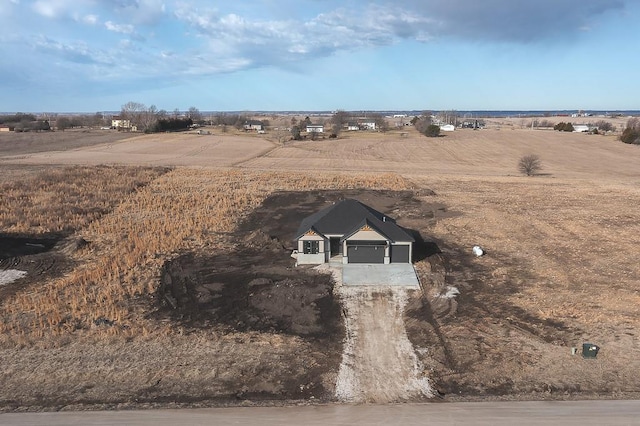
175, 149
12, 143
561, 265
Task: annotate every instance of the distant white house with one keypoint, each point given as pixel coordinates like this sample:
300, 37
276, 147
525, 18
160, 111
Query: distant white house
368, 125
351, 126
315, 128
121, 123
580, 128
253, 125
447, 127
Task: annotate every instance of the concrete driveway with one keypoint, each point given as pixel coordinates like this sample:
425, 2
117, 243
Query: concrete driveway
395, 275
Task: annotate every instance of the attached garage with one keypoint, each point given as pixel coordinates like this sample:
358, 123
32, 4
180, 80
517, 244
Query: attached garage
365, 251
400, 254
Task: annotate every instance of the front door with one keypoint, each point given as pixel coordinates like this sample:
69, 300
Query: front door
336, 247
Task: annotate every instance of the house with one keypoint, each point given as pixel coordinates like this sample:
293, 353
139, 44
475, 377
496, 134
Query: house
368, 125
120, 123
351, 126
253, 125
315, 128
581, 128
352, 232
4, 128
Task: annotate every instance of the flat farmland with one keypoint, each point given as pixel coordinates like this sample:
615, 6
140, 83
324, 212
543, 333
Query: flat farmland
106, 315
166, 149
463, 152
489, 152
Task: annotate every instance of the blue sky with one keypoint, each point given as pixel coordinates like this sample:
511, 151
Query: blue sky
96, 55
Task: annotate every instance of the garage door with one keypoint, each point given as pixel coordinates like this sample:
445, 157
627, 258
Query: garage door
365, 253
399, 254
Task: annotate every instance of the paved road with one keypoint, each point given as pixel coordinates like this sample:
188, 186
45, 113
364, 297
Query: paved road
609, 413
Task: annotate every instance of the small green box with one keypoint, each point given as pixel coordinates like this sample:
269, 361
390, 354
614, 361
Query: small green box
589, 350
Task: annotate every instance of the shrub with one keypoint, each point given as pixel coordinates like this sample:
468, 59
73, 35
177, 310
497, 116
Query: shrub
529, 164
432, 131
564, 127
604, 126
632, 133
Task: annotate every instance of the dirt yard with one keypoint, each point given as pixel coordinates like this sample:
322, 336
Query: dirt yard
185, 294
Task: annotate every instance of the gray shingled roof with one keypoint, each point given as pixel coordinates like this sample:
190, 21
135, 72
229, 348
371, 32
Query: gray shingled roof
347, 216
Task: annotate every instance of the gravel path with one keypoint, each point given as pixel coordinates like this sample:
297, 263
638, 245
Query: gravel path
379, 364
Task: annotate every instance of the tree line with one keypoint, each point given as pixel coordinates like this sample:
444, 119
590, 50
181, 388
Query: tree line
150, 119
20, 122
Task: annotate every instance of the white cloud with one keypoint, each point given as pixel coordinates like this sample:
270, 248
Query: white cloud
78, 52
270, 42
145, 12
119, 28
53, 8
90, 19
203, 40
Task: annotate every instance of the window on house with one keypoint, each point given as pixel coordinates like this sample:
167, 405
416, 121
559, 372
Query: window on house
310, 247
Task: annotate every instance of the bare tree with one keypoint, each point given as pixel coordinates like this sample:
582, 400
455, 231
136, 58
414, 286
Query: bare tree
338, 120
139, 115
422, 123
194, 114
605, 126
131, 109
529, 164
381, 122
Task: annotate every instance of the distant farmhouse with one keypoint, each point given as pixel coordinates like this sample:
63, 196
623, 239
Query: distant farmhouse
253, 125
363, 124
315, 128
119, 123
352, 232
368, 125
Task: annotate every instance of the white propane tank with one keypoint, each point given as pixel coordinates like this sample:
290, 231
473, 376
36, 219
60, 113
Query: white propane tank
477, 250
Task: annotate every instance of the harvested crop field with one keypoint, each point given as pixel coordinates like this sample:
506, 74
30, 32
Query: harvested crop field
164, 149
175, 285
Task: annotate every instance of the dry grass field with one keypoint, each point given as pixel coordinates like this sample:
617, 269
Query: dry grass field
561, 265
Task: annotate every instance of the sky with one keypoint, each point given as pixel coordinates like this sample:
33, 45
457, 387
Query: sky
312, 55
